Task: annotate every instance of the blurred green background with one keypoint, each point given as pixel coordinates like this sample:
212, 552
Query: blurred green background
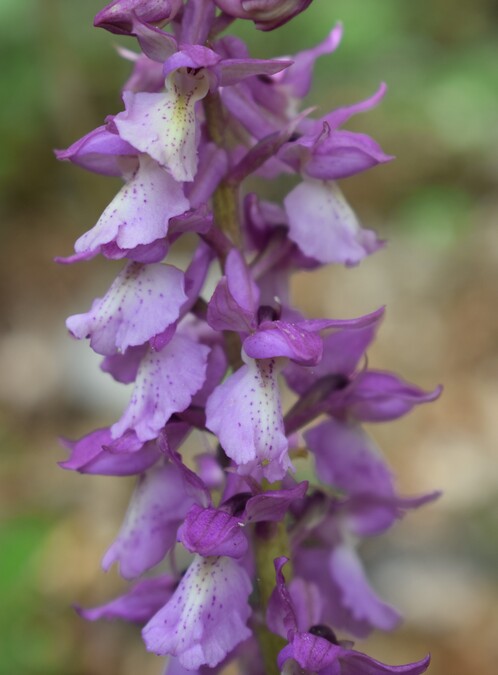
437, 204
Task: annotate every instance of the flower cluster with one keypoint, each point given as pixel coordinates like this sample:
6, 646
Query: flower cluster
200, 117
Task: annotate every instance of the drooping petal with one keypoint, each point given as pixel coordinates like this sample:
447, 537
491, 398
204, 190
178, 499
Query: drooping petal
234, 302
141, 303
164, 125
165, 384
245, 413
139, 213
347, 459
140, 604
212, 532
206, 617
156, 509
98, 454
356, 594
324, 227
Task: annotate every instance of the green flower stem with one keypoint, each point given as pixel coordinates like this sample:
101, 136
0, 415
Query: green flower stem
225, 198
271, 539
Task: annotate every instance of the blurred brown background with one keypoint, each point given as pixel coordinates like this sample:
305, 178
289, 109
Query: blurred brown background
437, 204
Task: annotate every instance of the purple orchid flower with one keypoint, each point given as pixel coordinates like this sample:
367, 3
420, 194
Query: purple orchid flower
200, 117
245, 410
352, 465
206, 617
317, 649
349, 392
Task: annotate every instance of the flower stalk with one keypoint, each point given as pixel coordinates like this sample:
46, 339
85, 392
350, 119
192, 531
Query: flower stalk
243, 513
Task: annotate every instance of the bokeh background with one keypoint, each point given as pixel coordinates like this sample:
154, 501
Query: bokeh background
437, 204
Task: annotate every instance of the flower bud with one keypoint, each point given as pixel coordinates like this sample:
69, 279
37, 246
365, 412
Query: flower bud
118, 16
266, 14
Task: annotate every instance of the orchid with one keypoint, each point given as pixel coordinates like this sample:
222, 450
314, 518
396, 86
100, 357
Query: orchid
200, 117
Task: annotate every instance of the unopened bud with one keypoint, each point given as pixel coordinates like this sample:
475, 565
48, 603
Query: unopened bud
266, 14
118, 16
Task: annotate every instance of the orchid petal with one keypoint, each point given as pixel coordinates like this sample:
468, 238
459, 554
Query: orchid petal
157, 508
141, 303
206, 617
141, 602
324, 227
245, 413
164, 125
139, 213
165, 384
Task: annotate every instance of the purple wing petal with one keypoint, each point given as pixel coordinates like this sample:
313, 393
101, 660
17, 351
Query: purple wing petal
379, 396
98, 454
235, 299
102, 152
141, 602
341, 154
